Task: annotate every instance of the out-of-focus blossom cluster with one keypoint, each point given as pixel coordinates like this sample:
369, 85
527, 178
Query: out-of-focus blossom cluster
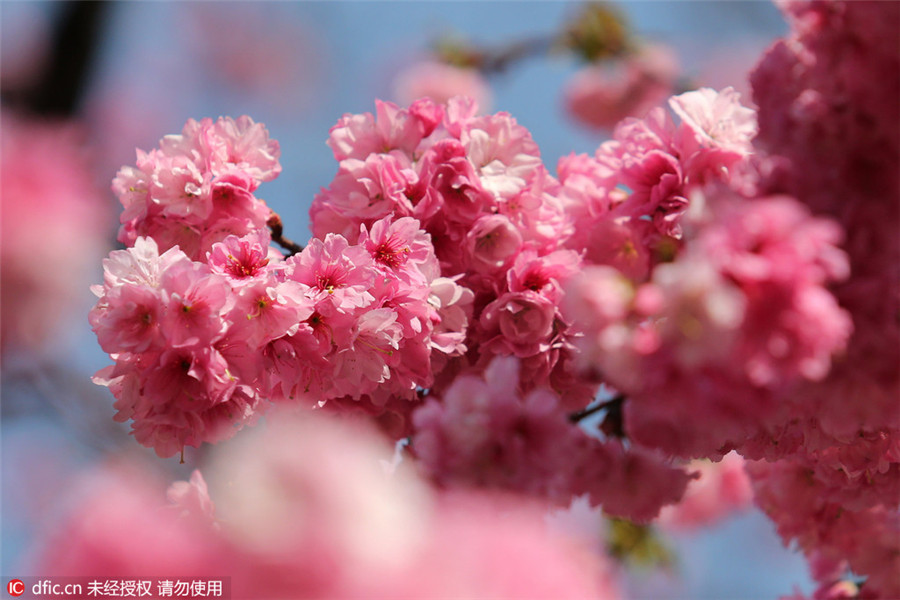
602, 94
53, 227
304, 509
720, 489
480, 433
828, 97
785, 348
739, 316
865, 541
268, 51
624, 76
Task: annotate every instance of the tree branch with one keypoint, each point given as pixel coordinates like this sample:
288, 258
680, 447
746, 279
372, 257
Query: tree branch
613, 404
277, 230
64, 80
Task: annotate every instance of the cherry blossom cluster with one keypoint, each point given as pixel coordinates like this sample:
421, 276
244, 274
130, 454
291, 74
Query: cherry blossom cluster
197, 187
478, 187
659, 330
163, 319
741, 328
200, 347
628, 198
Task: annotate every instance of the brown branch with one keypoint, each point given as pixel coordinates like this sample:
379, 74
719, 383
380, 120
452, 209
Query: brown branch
62, 84
463, 54
598, 32
499, 60
611, 405
277, 230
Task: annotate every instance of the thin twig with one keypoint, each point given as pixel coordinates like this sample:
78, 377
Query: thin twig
609, 405
277, 229
499, 60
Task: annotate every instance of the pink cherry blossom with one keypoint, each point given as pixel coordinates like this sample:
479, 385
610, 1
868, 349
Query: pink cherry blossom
338, 274
294, 368
371, 189
493, 241
245, 145
131, 305
455, 180
246, 259
402, 247
716, 119
266, 311
232, 199
544, 275
519, 323
128, 318
452, 310
195, 301
502, 152
191, 498
359, 368
391, 128
657, 185
628, 244
538, 214
176, 187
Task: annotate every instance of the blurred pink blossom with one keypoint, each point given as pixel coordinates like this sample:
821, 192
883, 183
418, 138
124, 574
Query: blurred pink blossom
270, 50
440, 82
601, 95
297, 519
54, 219
723, 488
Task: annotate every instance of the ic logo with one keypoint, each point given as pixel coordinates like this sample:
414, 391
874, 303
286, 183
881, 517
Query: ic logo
15, 587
